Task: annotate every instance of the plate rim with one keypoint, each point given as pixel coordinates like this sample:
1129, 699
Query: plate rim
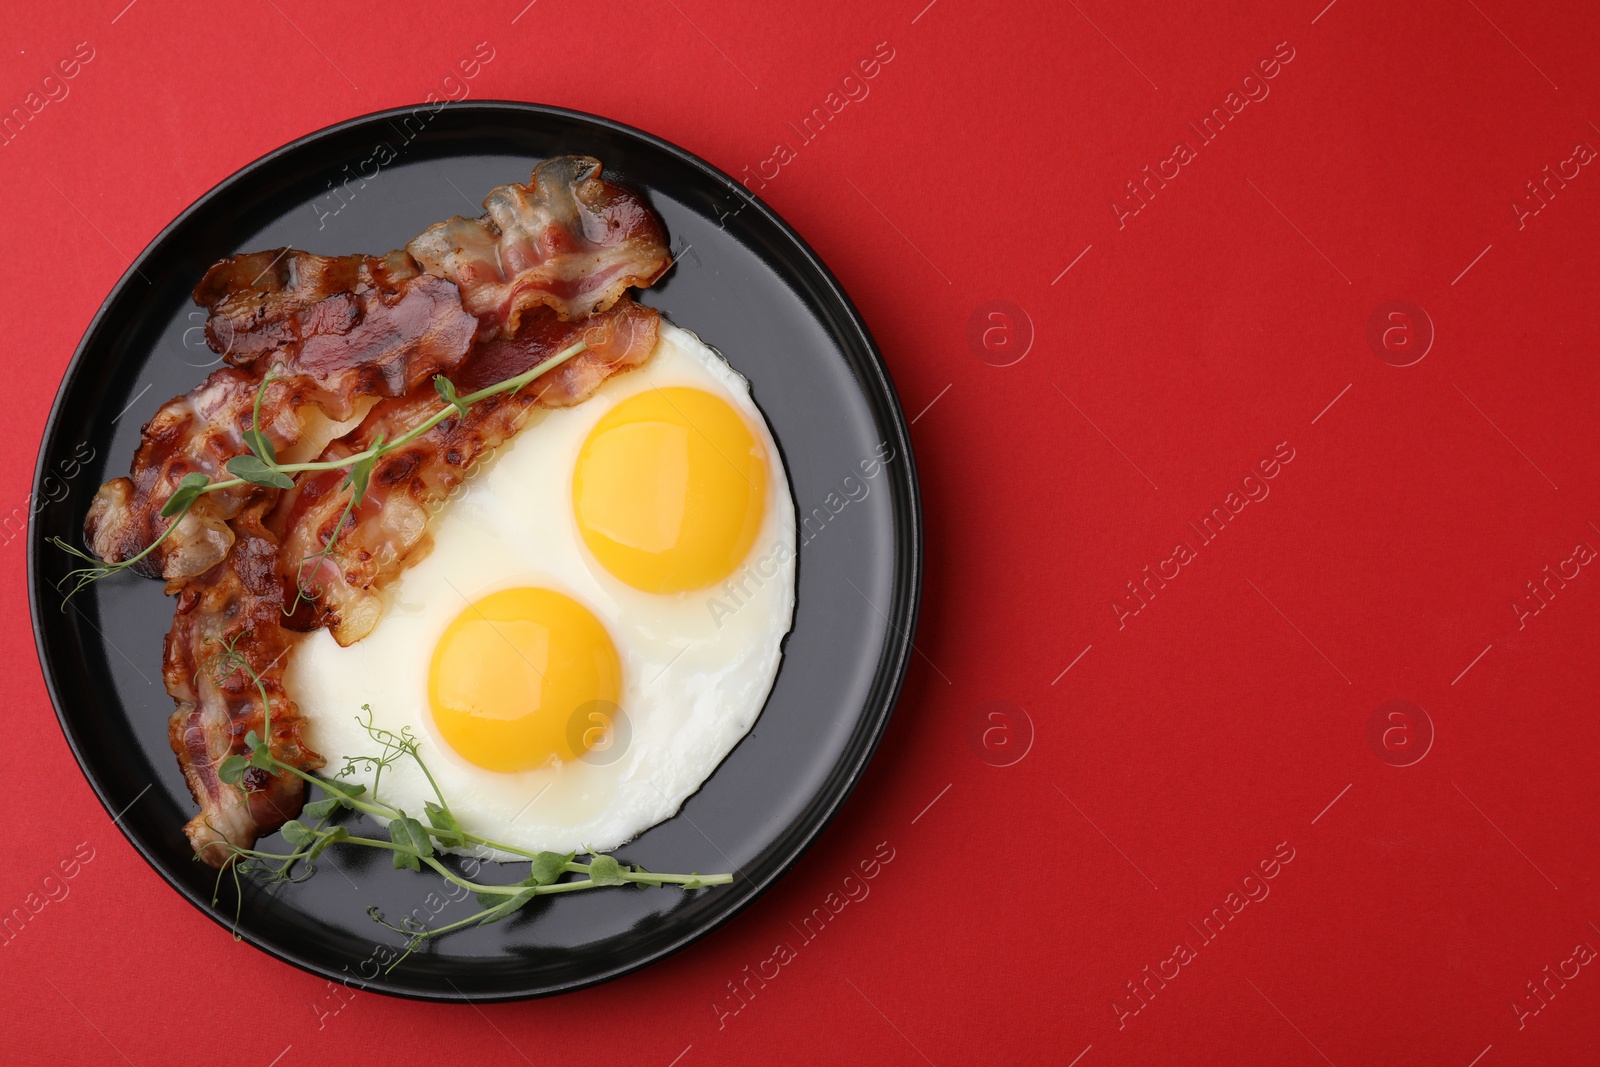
903, 612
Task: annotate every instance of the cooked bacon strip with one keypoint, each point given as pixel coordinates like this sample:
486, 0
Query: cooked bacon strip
262, 300
375, 343
568, 240
388, 530
237, 605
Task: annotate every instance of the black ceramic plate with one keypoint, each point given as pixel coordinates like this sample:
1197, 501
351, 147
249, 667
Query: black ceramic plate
749, 286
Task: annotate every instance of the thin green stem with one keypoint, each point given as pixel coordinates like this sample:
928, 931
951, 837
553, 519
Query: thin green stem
373, 842
644, 878
373, 807
518, 381
438, 794
261, 394
84, 576
470, 920
87, 575
509, 385
452, 876
320, 556
447, 836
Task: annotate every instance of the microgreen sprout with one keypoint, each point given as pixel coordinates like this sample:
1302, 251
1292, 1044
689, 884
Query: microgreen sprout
412, 843
260, 467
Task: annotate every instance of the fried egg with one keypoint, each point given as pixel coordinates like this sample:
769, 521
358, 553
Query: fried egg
598, 624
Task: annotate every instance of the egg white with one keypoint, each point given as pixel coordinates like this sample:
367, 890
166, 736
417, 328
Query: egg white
696, 666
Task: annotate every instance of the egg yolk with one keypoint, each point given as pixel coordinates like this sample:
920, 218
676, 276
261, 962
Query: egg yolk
670, 488
513, 676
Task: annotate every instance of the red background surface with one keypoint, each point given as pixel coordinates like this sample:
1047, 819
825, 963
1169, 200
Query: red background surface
1183, 746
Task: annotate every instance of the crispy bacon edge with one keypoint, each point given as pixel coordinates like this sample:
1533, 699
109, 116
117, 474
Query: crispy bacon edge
234, 607
568, 240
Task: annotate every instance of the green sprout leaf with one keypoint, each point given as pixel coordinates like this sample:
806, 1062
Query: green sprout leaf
260, 446
604, 870
544, 870
361, 471
360, 475
547, 867
441, 819
338, 833
412, 842
191, 487
500, 905
231, 770
447, 389
492, 901
297, 833
321, 809
255, 471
